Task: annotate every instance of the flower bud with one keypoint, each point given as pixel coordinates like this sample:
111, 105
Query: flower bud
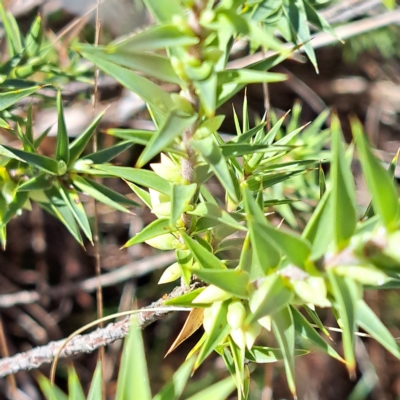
236, 314
172, 273
251, 334
239, 337
162, 242
265, 322
209, 316
211, 294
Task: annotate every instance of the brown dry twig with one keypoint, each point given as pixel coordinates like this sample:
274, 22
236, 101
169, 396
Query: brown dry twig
87, 343
134, 269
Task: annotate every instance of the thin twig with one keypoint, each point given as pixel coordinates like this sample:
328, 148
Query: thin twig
134, 269
88, 343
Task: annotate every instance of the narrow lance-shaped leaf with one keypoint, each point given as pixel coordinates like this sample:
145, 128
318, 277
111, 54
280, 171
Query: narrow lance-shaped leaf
73, 201
344, 215
232, 281
133, 378
34, 37
62, 211
174, 388
218, 331
181, 196
283, 328
78, 145
156, 228
62, 149
155, 38
96, 384
7, 99
142, 177
173, 126
75, 390
346, 293
308, 333
162, 13
202, 255
44, 163
219, 391
379, 182
212, 154
369, 322
147, 90
102, 193
266, 253
105, 155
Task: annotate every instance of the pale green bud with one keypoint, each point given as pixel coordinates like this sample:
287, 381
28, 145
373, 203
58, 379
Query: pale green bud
172, 273
236, 314
265, 322
251, 334
239, 337
211, 294
312, 290
210, 315
182, 103
162, 242
162, 209
82, 165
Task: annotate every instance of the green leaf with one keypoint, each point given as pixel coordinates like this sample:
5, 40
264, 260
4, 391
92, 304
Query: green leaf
156, 228
211, 210
307, 332
13, 35
73, 201
34, 37
239, 368
379, 182
107, 154
206, 89
78, 145
40, 182
262, 355
266, 252
147, 90
218, 331
75, 390
141, 193
283, 328
181, 196
271, 296
162, 13
346, 293
344, 218
186, 300
212, 154
4, 124
139, 176
153, 65
240, 149
232, 281
173, 126
95, 391
102, 193
51, 392
7, 99
202, 255
44, 163
370, 323
218, 391
62, 149
247, 76
62, 211
133, 378
154, 38
296, 13
16, 204
174, 388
